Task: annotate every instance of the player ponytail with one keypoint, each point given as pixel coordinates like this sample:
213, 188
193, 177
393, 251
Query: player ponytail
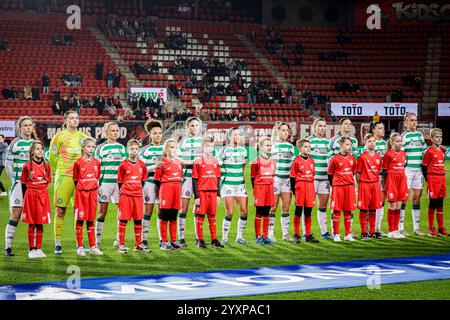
392, 137
166, 145
31, 154
66, 115
85, 142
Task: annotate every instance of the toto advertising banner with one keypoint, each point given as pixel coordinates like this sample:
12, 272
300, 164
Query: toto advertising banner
153, 93
444, 109
362, 109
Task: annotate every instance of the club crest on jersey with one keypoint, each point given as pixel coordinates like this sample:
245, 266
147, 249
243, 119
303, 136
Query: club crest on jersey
60, 200
187, 193
351, 162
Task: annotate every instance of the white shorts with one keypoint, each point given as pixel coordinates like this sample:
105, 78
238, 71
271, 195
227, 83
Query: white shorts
281, 185
382, 183
150, 195
322, 187
15, 195
233, 191
414, 179
107, 192
187, 190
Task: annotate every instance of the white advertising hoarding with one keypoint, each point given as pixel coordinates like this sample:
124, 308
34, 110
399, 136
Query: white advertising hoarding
8, 128
444, 109
362, 109
153, 93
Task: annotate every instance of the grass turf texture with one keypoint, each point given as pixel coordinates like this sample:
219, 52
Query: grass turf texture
20, 269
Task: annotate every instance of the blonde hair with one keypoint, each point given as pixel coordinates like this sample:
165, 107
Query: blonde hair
19, 125
132, 142
66, 115
301, 142
31, 153
435, 131
368, 136
109, 124
276, 129
85, 142
261, 142
166, 145
392, 137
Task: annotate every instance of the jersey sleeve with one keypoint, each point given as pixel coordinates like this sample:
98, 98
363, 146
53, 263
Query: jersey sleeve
424, 144
144, 171
76, 169
359, 164
354, 165
293, 172
49, 172
25, 173
158, 174
427, 158
331, 166
254, 169
220, 156
245, 156
195, 170
386, 161
98, 152
218, 173
120, 173
54, 151
9, 161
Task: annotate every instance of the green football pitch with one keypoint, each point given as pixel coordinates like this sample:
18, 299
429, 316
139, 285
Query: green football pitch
19, 269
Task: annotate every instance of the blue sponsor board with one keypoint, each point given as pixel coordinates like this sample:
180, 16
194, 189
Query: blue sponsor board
227, 283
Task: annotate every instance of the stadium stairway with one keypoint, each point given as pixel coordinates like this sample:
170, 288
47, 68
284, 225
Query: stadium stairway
264, 61
432, 75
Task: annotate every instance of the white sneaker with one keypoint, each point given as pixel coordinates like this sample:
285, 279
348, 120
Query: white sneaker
94, 251
403, 232
337, 238
122, 249
41, 253
81, 252
417, 232
349, 237
33, 254
288, 238
3, 194
116, 244
395, 235
272, 237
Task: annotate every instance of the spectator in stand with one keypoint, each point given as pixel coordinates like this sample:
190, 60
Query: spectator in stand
240, 116
65, 104
4, 46
35, 93
222, 116
57, 94
99, 70
289, 95
57, 40
252, 115
68, 40
27, 95
45, 83
229, 116
3, 148
213, 116
6, 93
204, 116
78, 81
112, 112
57, 110
110, 79
116, 78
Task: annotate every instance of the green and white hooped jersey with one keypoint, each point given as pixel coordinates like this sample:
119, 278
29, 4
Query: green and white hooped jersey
189, 148
151, 155
414, 146
18, 152
321, 154
110, 156
335, 147
283, 153
231, 161
381, 147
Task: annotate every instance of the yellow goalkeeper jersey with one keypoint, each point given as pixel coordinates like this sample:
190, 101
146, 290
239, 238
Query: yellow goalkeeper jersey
65, 149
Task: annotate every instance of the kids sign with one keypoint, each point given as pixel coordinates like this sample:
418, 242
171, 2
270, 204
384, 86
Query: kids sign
153, 93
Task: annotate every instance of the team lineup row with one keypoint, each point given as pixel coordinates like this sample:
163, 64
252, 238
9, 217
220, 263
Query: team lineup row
170, 174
